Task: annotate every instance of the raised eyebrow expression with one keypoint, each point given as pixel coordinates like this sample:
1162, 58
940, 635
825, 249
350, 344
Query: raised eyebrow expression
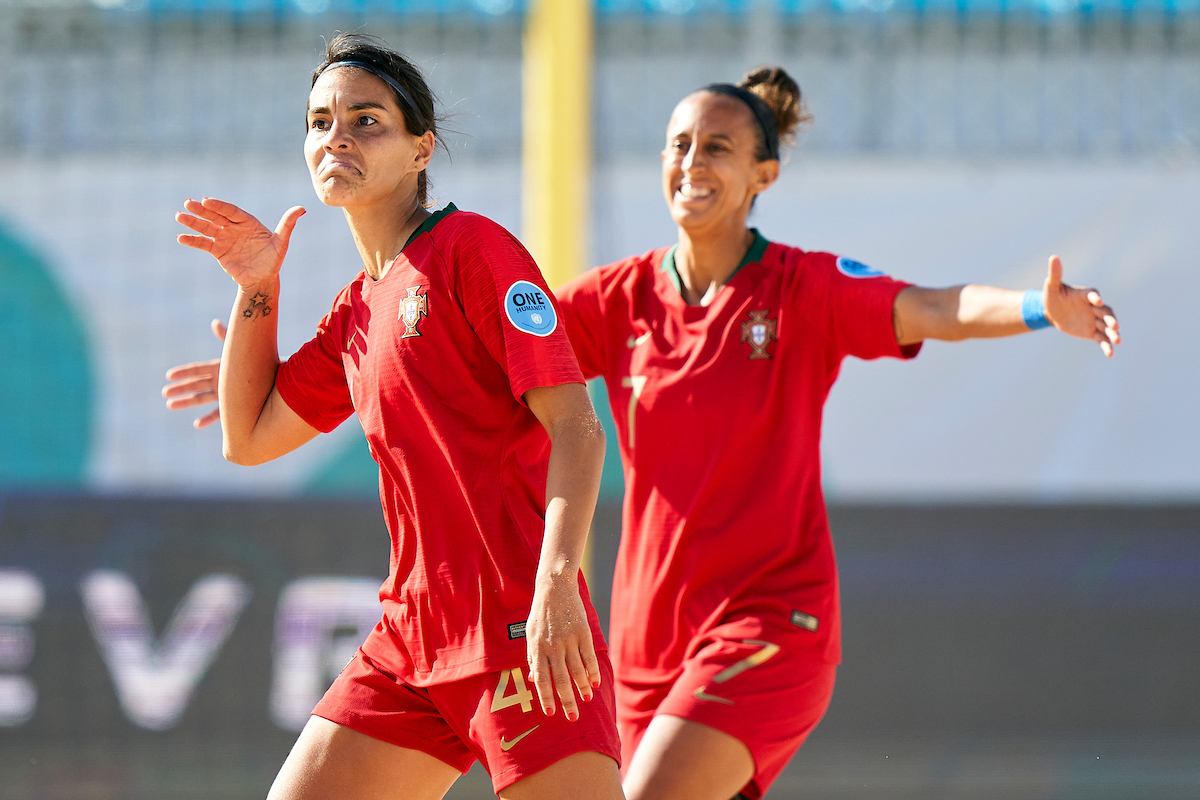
322, 110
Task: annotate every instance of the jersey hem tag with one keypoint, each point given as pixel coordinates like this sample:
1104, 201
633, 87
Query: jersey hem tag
516, 630
806, 621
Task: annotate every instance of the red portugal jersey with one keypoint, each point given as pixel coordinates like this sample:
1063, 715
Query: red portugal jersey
435, 357
718, 410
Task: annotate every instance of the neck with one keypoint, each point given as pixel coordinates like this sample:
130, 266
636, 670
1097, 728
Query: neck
380, 230
706, 259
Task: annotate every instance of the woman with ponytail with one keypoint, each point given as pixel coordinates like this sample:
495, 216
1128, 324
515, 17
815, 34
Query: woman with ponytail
718, 353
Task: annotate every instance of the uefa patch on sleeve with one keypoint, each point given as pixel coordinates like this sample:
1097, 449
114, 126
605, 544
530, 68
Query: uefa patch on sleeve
853, 269
529, 309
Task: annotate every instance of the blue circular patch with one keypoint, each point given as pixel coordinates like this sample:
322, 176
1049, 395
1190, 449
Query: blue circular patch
529, 309
853, 269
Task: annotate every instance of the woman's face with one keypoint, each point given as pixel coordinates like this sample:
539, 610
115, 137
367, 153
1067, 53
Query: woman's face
709, 169
358, 150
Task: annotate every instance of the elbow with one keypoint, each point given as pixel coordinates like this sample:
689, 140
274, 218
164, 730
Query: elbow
234, 456
596, 438
238, 453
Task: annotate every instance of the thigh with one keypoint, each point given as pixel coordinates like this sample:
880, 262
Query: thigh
637, 702
766, 693
732, 718
581, 776
678, 759
332, 762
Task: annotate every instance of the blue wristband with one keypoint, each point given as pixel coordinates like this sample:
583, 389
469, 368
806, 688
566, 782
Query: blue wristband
1033, 311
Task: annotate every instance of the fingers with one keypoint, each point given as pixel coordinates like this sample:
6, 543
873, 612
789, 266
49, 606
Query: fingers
218, 328
580, 679
217, 210
561, 675
207, 419
198, 224
198, 242
186, 396
539, 675
197, 369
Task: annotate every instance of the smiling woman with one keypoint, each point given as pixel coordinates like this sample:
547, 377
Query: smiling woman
448, 347
718, 353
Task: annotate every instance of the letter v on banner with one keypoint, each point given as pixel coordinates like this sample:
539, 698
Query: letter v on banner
155, 680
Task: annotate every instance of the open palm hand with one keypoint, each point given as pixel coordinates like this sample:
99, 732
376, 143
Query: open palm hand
1079, 312
247, 250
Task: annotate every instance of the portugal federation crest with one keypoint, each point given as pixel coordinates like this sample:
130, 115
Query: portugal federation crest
412, 309
759, 331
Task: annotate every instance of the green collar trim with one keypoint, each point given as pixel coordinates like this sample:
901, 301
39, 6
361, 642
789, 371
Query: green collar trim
430, 221
753, 255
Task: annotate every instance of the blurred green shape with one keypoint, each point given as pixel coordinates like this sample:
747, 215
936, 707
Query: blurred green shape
45, 376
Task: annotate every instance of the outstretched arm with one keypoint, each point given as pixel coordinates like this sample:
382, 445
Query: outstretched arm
981, 312
257, 424
558, 636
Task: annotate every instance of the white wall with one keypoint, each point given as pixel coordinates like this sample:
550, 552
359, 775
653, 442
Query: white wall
1040, 417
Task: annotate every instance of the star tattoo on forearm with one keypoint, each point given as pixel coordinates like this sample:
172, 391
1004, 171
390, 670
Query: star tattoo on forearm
258, 306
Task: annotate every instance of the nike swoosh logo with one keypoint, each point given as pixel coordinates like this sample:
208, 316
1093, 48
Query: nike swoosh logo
700, 694
506, 746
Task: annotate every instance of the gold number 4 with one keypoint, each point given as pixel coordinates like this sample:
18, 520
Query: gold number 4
637, 383
521, 695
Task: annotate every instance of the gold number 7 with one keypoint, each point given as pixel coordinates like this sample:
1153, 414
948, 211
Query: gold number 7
637, 383
749, 662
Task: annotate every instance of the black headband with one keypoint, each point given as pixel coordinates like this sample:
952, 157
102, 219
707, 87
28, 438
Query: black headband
766, 120
407, 101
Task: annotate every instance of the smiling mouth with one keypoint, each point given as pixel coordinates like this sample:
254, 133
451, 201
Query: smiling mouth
687, 191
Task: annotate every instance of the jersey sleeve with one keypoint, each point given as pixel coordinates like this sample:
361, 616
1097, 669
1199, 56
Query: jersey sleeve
507, 303
861, 302
583, 314
313, 381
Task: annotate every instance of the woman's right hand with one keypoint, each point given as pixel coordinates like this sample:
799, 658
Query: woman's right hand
245, 248
195, 384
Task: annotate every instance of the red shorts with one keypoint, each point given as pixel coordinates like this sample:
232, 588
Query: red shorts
495, 718
755, 690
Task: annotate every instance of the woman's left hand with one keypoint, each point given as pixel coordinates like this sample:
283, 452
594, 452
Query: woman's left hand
560, 648
1079, 312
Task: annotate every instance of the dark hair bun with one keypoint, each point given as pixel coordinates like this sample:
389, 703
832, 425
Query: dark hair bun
782, 96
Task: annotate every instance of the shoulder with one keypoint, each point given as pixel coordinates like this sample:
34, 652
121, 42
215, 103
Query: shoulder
796, 265
817, 264
467, 226
632, 270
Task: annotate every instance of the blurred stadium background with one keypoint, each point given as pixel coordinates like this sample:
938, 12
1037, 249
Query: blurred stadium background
1018, 522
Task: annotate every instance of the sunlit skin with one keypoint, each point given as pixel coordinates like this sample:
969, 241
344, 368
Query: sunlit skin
710, 177
363, 159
